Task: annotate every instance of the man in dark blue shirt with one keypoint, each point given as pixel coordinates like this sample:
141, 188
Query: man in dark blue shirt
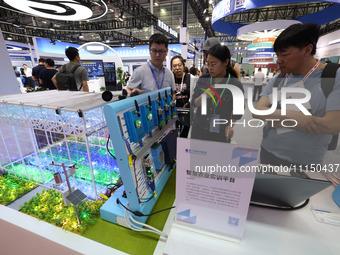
37, 69
47, 74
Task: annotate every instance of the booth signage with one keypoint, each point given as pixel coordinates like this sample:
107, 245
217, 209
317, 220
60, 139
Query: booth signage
264, 50
229, 7
254, 46
168, 29
212, 190
271, 66
20, 58
255, 60
260, 56
267, 39
69, 10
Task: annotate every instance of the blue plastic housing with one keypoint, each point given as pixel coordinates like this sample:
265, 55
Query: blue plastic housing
148, 124
135, 134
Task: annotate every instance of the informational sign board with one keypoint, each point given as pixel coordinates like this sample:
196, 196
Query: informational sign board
93, 67
214, 186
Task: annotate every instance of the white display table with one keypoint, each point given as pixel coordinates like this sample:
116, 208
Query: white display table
270, 232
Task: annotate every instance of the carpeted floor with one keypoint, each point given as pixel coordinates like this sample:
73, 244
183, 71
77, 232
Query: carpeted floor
129, 241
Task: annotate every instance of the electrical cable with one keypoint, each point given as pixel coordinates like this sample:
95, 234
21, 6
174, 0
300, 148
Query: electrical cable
281, 208
147, 226
139, 229
107, 148
139, 214
135, 227
127, 145
147, 199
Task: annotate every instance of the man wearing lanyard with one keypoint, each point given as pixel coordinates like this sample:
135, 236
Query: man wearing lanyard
307, 142
153, 75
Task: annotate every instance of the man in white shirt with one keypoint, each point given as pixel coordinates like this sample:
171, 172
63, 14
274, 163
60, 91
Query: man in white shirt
28, 73
258, 79
153, 75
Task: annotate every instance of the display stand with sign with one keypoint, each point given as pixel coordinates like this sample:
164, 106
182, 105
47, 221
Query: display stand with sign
213, 189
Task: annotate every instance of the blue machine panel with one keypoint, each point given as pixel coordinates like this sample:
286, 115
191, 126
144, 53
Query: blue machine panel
147, 118
134, 126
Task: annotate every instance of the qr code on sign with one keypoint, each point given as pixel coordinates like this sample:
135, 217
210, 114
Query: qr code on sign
233, 221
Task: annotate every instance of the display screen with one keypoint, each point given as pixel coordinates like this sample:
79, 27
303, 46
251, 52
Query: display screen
110, 76
93, 67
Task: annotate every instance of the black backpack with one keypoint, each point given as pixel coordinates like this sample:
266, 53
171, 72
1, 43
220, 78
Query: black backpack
327, 85
66, 80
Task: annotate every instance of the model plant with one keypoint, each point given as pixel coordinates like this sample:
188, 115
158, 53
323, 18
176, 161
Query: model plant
12, 188
121, 78
49, 206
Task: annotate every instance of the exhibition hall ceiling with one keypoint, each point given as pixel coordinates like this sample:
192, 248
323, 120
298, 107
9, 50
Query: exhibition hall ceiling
127, 21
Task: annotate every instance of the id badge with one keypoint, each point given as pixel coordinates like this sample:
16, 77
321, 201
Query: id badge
216, 128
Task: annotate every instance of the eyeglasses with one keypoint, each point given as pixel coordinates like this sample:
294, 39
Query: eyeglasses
211, 66
160, 52
178, 65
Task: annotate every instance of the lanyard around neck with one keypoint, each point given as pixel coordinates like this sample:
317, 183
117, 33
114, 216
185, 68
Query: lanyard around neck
180, 90
154, 76
222, 90
306, 76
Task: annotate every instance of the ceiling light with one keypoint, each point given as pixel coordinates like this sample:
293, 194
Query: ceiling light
156, 4
107, 41
163, 10
207, 18
9, 38
123, 44
210, 1
79, 11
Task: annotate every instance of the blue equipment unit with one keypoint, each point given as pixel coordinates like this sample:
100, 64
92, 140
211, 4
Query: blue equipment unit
134, 126
147, 118
136, 160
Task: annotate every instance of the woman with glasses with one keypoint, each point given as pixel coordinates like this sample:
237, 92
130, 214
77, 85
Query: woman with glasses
182, 81
215, 103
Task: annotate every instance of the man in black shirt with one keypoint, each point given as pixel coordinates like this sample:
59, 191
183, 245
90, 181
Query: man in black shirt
47, 74
37, 69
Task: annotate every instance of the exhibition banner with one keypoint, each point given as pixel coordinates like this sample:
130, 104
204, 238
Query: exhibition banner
214, 186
